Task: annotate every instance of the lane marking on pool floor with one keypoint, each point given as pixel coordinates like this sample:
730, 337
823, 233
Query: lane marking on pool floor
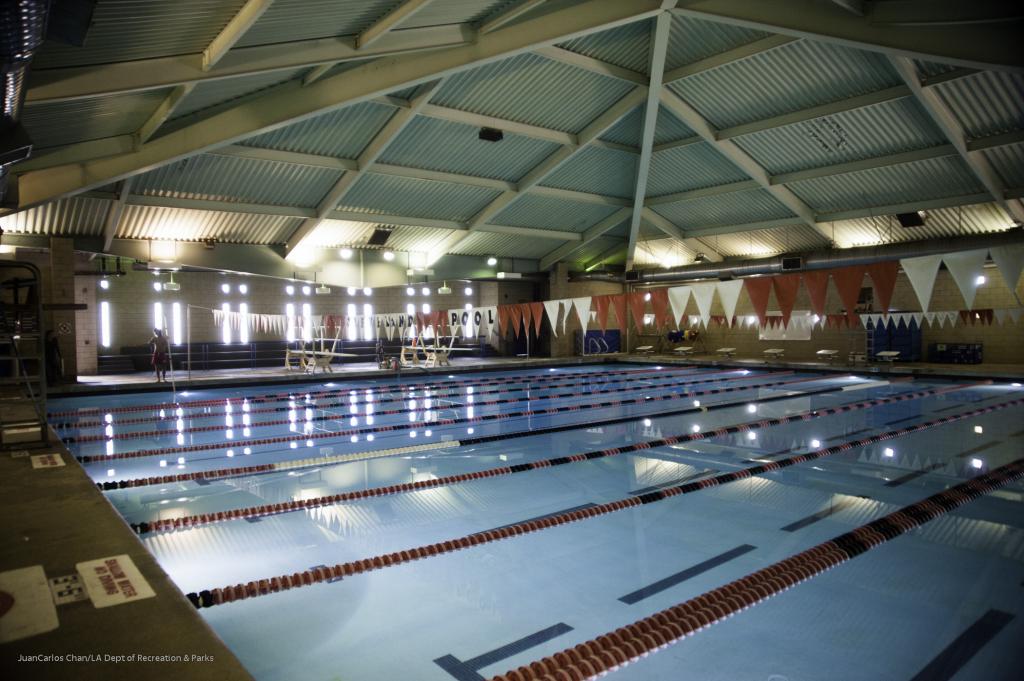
260, 587
285, 507
629, 643
467, 670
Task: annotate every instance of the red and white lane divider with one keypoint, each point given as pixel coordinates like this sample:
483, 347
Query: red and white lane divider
391, 389
616, 649
186, 522
379, 453
262, 587
375, 430
142, 434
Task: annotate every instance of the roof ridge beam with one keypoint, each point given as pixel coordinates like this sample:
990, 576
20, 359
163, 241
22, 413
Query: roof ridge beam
893, 209
728, 57
944, 118
391, 20
669, 228
659, 48
591, 233
243, 20
116, 210
164, 110
514, 127
499, 19
582, 61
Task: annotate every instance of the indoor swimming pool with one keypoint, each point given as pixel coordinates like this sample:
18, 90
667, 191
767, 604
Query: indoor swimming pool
443, 527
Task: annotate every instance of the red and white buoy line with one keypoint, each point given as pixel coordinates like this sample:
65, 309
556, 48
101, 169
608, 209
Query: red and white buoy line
142, 434
627, 644
262, 587
392, 389
377, 429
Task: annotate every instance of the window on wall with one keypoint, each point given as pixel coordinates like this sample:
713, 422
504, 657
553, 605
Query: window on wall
105, 324
158, 316
367, 321
307, 321
289, 314
176, 330
243, 328
428, 332
226, 327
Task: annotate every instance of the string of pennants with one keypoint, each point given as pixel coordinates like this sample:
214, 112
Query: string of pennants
669, 304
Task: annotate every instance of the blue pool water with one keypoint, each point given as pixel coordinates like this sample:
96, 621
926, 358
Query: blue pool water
909, 609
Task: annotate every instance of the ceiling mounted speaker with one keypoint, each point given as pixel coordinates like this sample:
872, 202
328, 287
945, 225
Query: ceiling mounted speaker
491, 135
379, 237
915, 219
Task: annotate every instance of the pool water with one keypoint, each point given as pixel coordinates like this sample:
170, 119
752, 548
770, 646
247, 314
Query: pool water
945, 601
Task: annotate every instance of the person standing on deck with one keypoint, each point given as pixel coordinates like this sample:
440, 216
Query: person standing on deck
161, 354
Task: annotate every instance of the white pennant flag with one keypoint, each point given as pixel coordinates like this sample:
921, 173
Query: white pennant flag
1000, 315
965, 268
703, 294
921, 273
917, 317
951, 317
582, 306
553, 308
1014, 313
728, 294
678, 297
866, 319
930, 316
1010, 261
566, 307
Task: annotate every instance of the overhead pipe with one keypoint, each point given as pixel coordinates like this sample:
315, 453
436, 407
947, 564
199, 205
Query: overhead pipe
814, 260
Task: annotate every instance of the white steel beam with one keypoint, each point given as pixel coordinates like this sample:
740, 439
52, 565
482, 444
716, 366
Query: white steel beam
745, 227
163, 111
233, 32
283, 106
740, 159
729, 56
62, 84
113, 221
594, 129
591, 233
76, 153
893, 209
980, 46
690, 194
260, 154
482, 121
695, 245
496, 21
389, 21
380, 142
659, 47
597, 66
939, 112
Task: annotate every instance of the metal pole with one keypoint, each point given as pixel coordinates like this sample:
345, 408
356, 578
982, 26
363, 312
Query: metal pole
188, 338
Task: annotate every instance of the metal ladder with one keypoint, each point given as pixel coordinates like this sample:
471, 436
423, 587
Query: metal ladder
22, 357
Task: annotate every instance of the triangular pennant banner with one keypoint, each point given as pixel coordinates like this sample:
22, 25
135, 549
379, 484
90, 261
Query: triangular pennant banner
1014, 313
965, 267
917, 317
786, 287
678, 297
930, 316
582, 306
515, 318
619, 304
848, 281
1000, 315
602, 303
758, 289
921, 273
883, 276
636, 308
728, 295
703, 294
553, 308
526, 310
1010, 261
817, 287
503, 318
659, 303
538, 313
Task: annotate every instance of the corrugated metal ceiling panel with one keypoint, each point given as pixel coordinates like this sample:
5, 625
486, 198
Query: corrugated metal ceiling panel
57, 123
552, 213
69, 217
690, 167
534, 90
441, 12
336, 233
899, 125
151, 222
662, 253
931, 179
417, 198
126, 30
761, 242
986, 103
233, 178
1009, 163
692, 40
416, 239
597, 248
626, 46
288, 20
506, 245
342, 134
214, 92
796, 76
670, 128
435, 144
597, 170
943, 222
627, 130
725, 209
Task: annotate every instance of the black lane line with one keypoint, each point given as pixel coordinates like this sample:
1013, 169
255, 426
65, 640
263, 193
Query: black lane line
1017, 434
815, 517
581, 507
683, 575
952, 406
903, 479
672, 483
979, 448
467, 670
846, 435
908, 418
958, 653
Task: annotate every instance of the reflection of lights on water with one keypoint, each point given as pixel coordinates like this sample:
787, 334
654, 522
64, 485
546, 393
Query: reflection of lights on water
110, 472
293, 445
246, 420
369, 420
412, 433
230, 453
888, 452
752, 408
246, 432
247, 451
696, 403
181, 459
163, 463
470, 431
695, 428
309, 443
109, 431
751, 435
229, 434
427, 433
815, 443
109, 417
370, 437
162, 413
979, 430
647, 423
354, 438
181, 439
110, 447
977, 463
412, 416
